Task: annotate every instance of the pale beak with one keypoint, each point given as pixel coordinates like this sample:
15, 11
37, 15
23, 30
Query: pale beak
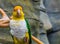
18, 12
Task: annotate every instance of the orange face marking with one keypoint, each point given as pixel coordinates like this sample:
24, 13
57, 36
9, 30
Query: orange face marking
17, 7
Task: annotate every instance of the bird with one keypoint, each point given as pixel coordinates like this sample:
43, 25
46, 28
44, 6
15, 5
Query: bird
19, 27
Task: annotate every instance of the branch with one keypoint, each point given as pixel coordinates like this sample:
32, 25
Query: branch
37, 40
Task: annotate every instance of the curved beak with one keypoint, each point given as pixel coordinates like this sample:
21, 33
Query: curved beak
18, 12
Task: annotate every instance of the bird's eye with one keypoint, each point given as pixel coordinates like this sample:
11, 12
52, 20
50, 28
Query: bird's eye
14, 10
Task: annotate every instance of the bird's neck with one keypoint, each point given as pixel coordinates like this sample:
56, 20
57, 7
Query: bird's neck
18, 18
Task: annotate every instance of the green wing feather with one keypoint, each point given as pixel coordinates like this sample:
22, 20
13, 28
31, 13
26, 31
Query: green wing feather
29, 31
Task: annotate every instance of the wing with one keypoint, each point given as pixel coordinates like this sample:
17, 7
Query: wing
29, 31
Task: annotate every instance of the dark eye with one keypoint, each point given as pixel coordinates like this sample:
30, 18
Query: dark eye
14, 10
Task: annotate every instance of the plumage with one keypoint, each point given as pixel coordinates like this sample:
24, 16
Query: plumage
20, 29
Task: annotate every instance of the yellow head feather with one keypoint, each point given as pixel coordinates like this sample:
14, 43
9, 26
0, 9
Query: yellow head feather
15, 13
17, 7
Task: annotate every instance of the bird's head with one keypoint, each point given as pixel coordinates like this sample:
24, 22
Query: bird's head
17, 12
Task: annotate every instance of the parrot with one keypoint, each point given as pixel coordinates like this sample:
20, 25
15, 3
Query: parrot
19, 27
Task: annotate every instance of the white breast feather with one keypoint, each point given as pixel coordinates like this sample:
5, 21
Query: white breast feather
18, 28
